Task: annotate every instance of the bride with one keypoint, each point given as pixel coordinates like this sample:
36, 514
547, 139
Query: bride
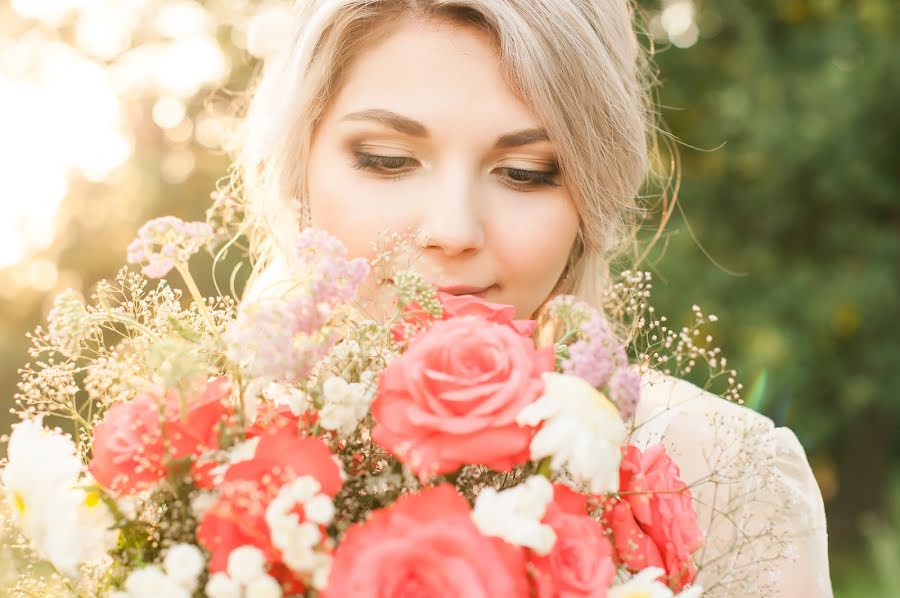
514, 136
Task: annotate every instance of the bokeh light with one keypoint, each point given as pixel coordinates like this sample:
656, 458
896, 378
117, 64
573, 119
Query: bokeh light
79, 80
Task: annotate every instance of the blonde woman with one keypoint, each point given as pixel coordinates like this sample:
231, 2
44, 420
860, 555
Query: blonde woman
513, 136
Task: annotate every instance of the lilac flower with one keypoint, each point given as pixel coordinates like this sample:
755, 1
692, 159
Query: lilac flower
597, 354
278, 339
332, 276
282, 338
625, 390
162, 243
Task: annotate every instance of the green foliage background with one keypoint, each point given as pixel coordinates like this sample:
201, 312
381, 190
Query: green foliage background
788, 230
791, 181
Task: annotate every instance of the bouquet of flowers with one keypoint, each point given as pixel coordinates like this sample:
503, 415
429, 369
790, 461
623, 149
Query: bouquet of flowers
287, 445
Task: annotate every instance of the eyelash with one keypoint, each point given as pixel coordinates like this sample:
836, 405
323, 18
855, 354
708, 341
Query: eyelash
533, 178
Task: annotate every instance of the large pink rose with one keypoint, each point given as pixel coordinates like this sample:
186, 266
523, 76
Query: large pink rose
137, 439
425, 545
452, 398
581, 564
654, 523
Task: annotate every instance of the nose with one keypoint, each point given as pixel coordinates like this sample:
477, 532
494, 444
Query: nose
452, 220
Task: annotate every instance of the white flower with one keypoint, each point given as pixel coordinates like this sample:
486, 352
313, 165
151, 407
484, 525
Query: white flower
642, 585
151, 582
93, 523
201, 502
184, 563
65, 523
298, 541
294, 398
646, 585
319, 509
582, 432
222, 586
246, 563
345, 404
515, 514
263, 587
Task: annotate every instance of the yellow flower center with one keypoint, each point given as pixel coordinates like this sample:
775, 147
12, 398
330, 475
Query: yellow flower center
20, 503
92, 499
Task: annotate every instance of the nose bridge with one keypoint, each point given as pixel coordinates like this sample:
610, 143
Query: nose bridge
453, 215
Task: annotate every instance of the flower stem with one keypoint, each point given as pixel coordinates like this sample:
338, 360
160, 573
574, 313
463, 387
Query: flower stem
111, 316
196, 295
544, 468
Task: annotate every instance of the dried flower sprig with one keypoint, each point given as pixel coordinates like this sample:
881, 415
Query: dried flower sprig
166, 242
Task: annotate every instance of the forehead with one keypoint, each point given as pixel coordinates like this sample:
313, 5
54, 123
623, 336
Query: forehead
434, 71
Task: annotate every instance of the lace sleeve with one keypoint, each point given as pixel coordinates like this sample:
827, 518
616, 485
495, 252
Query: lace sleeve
758, 503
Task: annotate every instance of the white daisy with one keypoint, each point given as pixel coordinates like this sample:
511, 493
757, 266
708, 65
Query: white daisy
65, 523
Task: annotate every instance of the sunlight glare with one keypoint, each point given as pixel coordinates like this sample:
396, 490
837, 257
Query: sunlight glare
63, 116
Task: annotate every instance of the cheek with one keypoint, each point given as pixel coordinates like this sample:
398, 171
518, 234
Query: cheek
348, 204
533, 245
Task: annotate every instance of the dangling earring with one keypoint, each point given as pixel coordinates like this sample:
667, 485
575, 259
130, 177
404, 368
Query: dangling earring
305, 215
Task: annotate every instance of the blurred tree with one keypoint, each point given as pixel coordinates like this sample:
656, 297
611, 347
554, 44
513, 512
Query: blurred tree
787, 114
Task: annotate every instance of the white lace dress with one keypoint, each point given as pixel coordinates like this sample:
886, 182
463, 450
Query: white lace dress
758, 502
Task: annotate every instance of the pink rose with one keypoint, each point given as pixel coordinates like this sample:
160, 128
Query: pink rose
469, 305
581, 564
653, 522
425, 545
138, 439
415, 320
452, 398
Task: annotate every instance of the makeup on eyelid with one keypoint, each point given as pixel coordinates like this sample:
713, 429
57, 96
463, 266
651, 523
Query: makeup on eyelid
526, 173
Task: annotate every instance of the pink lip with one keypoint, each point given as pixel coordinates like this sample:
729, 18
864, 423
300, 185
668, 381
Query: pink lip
464, 289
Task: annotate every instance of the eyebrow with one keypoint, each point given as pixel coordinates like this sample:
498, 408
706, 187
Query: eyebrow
414, 128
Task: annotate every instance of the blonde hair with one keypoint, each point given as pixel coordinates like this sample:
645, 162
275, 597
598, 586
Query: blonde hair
576, 63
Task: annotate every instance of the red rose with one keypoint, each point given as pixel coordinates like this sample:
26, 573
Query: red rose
415, 319
425, 545
452, 398
653, 522
581, 564
238, 517
137, 439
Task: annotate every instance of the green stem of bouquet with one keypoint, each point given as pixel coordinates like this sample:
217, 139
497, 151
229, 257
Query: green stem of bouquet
196, 295
544, 468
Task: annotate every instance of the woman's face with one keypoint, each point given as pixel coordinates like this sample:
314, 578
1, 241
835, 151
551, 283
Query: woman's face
426, 136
